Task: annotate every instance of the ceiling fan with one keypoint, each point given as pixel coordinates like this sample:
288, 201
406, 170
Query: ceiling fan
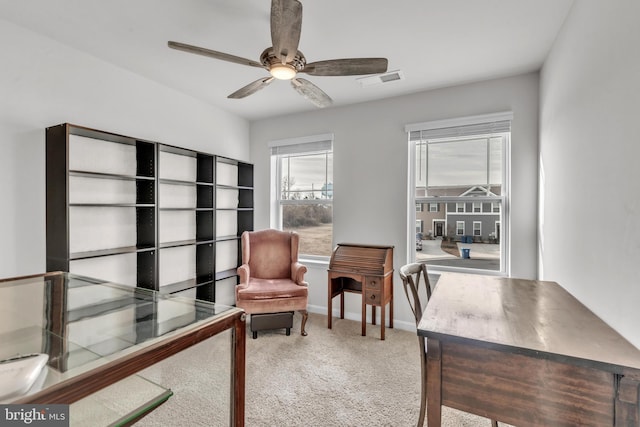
284, 61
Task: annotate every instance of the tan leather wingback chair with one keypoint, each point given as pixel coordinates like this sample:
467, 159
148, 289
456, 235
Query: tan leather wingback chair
271, 278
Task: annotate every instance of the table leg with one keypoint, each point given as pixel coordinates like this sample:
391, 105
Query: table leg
238, 366
627, 402
391, 304
329, 307
382, 314
342, 305
434, 383
364, 317
373, 314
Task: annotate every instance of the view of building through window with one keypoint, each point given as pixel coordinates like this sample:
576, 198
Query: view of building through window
458, 195
306, 196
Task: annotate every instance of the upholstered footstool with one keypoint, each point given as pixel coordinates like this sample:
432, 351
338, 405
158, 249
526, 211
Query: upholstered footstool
267, 321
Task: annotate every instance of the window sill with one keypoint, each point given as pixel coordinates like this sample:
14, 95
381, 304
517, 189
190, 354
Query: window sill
443, 269
315, 262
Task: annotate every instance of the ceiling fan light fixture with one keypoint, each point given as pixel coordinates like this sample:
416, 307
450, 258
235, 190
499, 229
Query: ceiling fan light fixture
283, 71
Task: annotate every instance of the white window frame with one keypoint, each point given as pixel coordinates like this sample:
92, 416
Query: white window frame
459, 229
478, 206
461, 207
302, 145
503, 205
479, 229
433, 207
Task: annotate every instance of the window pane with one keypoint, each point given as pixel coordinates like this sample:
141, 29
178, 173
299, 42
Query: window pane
314, 224
458, 163
307, 177
464, 167
452, 174
495, 168
421, 165
445, 232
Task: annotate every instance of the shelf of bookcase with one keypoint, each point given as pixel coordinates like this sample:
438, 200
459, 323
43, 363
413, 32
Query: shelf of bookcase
111, 251
184, 285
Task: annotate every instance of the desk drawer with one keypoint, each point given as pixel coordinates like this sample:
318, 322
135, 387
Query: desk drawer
372, 296
373, 282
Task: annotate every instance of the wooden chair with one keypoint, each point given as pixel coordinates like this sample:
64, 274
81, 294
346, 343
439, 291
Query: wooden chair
413, 275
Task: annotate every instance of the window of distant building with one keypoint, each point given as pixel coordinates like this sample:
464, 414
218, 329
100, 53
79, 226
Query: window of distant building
463, 164
302, 189
477, 229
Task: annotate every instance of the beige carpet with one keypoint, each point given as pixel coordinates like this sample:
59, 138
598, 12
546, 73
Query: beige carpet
329, 378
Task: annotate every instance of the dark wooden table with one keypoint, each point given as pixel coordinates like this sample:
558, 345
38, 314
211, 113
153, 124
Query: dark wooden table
526, 353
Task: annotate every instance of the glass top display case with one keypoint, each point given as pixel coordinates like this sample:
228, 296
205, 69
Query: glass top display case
64, 337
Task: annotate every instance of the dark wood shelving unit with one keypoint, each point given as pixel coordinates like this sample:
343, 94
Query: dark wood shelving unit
232, 177
120, 208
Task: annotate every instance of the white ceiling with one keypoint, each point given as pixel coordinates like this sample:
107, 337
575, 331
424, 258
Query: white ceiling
435, 43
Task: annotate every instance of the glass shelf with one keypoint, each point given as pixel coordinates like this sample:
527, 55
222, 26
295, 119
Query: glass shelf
118, 404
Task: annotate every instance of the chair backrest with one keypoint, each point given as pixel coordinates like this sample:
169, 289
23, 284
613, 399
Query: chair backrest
270, 253
412, 276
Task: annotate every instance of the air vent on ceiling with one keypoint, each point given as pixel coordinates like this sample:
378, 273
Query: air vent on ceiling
378, 79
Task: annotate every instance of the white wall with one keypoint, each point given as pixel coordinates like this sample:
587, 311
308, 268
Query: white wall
370, 170
44, 83
589, 151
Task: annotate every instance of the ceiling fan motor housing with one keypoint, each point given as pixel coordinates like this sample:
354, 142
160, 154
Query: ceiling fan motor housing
268, 58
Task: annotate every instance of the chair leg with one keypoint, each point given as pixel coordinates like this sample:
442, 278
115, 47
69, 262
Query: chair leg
494, 423
423, 391
288, 331
255, 334
305, 315
423, 381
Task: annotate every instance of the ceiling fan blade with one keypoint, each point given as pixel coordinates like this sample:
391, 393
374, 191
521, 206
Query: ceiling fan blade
214, 54
286, 24
251, 88
312, 92
346, 67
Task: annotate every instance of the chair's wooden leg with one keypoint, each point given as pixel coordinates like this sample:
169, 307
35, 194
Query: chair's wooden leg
255, 334
288, 331
494, 423
305, 315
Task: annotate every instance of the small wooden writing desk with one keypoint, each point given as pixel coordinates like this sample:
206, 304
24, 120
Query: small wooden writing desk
526, 353
365, 270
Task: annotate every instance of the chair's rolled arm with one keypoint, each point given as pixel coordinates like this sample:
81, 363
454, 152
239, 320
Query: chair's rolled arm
297, 273
244, 273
